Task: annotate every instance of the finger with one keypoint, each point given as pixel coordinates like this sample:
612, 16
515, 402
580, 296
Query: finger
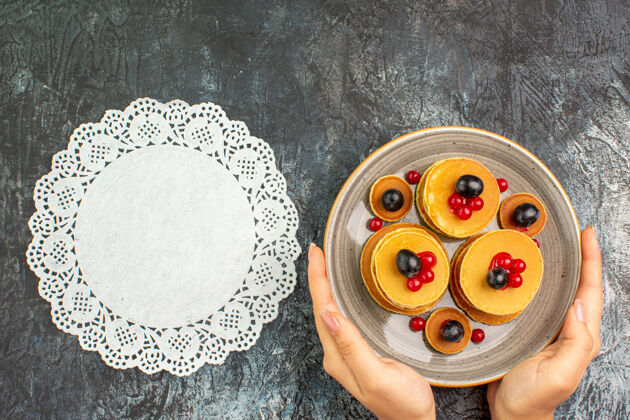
356, 352
334, 364
590, 291
572, 352
322, 299
318, 282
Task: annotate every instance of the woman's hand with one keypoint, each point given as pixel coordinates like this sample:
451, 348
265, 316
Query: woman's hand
535, 387
388, 388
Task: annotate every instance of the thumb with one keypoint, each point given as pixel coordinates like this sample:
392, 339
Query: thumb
573, 350
357, 353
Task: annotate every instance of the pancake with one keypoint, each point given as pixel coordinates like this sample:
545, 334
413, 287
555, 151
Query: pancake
368, 278
419, 309
393, 284
434, 326
461, 301
380, 187
511, 203
439, 185
475, 263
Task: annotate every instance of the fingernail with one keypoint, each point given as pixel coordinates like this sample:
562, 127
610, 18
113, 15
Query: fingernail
330, 321
310, 250
591, 227
579, 310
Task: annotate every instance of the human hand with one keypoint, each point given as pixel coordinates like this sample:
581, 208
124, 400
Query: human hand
535, 387
388, 388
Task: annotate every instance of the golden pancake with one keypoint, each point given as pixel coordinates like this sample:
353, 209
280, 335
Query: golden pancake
461, 301
368, 278
511, 203
380, 187
439, 185
475, 263
393, 284
418, 309
433, 330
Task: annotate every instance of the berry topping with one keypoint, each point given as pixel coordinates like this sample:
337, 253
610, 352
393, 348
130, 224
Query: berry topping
464, 212
525, 215
417, 323
392, 200
476, 203
413, 177
500, 256
414, 284
518, 266
469, 186
537, 242
466, 198
477, 335
455, 200
375, 224
497, 278
408, 263
503, 184
428, 259
515, 280
426, 276
505, 262
452, 331
505, 271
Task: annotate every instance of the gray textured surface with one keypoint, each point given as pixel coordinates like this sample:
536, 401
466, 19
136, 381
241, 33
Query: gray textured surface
324, 84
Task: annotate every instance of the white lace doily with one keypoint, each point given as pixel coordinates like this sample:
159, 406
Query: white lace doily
164, 237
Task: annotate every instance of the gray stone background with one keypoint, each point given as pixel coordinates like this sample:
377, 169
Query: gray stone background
325, 83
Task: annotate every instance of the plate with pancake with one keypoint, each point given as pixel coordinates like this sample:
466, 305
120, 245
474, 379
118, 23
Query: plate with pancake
382, 311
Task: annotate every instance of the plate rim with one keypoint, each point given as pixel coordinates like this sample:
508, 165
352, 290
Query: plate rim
497, 137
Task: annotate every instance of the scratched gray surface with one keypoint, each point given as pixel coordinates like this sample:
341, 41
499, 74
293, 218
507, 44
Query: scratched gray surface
325, 84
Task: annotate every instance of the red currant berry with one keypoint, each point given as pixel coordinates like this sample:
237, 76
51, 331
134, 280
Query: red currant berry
465, 201
464, 212
427, 259
455, 200
477, 335
414, 284
518, 266
427, 276
375, 224
503, 184
413, 177
476, 204
498, 258
417, 323
515, 280
505, 262
536, 242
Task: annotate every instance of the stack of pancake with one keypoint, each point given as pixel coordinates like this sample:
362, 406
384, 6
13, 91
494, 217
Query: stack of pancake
471, 264
438, 183
383, 280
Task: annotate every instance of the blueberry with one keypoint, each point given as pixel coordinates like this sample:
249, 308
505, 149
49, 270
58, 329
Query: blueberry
469, 186
392, 200
408, 263
452, 331
497, 278
525, 215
